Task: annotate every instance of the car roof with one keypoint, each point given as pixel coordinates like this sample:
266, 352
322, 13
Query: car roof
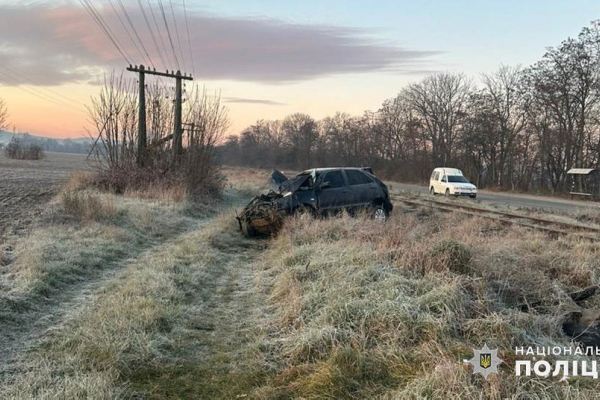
449, 171
308, 171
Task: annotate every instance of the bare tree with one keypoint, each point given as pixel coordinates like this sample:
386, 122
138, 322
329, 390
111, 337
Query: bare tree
301, 137
114, 114
440, 102
505, 104
520, 129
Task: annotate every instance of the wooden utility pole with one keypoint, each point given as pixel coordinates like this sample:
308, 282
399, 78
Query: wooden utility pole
177, 130
142, 118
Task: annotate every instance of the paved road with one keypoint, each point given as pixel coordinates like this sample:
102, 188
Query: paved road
513, 200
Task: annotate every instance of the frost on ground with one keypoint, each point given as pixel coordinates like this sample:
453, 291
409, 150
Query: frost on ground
126, 297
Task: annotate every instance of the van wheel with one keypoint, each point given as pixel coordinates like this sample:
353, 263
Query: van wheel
431, 191
447, 193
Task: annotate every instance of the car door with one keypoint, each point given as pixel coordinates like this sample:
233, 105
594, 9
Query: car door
364, 189
334, 194
443, 184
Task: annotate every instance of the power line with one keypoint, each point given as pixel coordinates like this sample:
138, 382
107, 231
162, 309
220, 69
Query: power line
41, 95
152, 34
187, 28
126, 29
177, 33
136, 33
162, 9
159, 31
13, 72
89, 7
130, 21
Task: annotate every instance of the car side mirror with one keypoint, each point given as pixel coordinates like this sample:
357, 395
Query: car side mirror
324, 185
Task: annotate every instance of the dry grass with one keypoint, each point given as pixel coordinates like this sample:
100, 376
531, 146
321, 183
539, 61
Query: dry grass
368, 312
82, 234
140, 336
165, 281
337, 308
247, 181
87, 206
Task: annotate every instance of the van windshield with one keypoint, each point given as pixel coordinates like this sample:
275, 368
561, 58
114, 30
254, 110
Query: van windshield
457, 179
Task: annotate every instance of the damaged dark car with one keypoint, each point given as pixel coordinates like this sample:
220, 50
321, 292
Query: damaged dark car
319, 192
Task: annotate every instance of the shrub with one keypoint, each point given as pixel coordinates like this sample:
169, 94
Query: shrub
84, 206
160, 179
19, 149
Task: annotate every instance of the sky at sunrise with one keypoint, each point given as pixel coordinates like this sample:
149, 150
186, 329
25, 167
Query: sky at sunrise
267, 58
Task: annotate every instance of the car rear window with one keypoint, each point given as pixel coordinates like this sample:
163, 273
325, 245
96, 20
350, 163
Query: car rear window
357, 178
335, 179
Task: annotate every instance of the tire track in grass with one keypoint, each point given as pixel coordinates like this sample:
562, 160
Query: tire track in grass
213, 346
176, 322
69, 269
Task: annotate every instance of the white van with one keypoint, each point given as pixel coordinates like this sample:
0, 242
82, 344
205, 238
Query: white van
451, 182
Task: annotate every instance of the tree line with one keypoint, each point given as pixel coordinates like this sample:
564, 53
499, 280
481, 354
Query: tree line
519, 128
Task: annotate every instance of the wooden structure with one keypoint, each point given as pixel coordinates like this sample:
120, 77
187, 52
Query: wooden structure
584, 182
177, 129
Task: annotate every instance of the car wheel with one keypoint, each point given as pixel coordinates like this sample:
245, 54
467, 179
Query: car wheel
431, 191
379, 213
474, 196
447, 193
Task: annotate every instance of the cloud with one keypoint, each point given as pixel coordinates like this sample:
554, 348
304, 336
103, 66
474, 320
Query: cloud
252, 101
53, 45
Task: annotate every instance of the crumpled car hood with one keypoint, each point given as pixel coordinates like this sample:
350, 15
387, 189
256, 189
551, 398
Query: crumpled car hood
284, 185
277, 178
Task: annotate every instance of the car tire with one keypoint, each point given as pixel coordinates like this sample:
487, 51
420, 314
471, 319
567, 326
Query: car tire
379, 213
447, 193
474, 196
432, 191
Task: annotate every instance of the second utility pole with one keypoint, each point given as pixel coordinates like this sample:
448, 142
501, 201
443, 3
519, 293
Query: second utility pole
177, 131
141, 148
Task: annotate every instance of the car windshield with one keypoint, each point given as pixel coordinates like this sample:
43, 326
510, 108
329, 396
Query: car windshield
457, 179
308, 184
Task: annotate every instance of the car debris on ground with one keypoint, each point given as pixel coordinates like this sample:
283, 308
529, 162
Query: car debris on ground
260, 217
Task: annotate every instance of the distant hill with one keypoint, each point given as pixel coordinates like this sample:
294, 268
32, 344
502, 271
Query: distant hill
76, 145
